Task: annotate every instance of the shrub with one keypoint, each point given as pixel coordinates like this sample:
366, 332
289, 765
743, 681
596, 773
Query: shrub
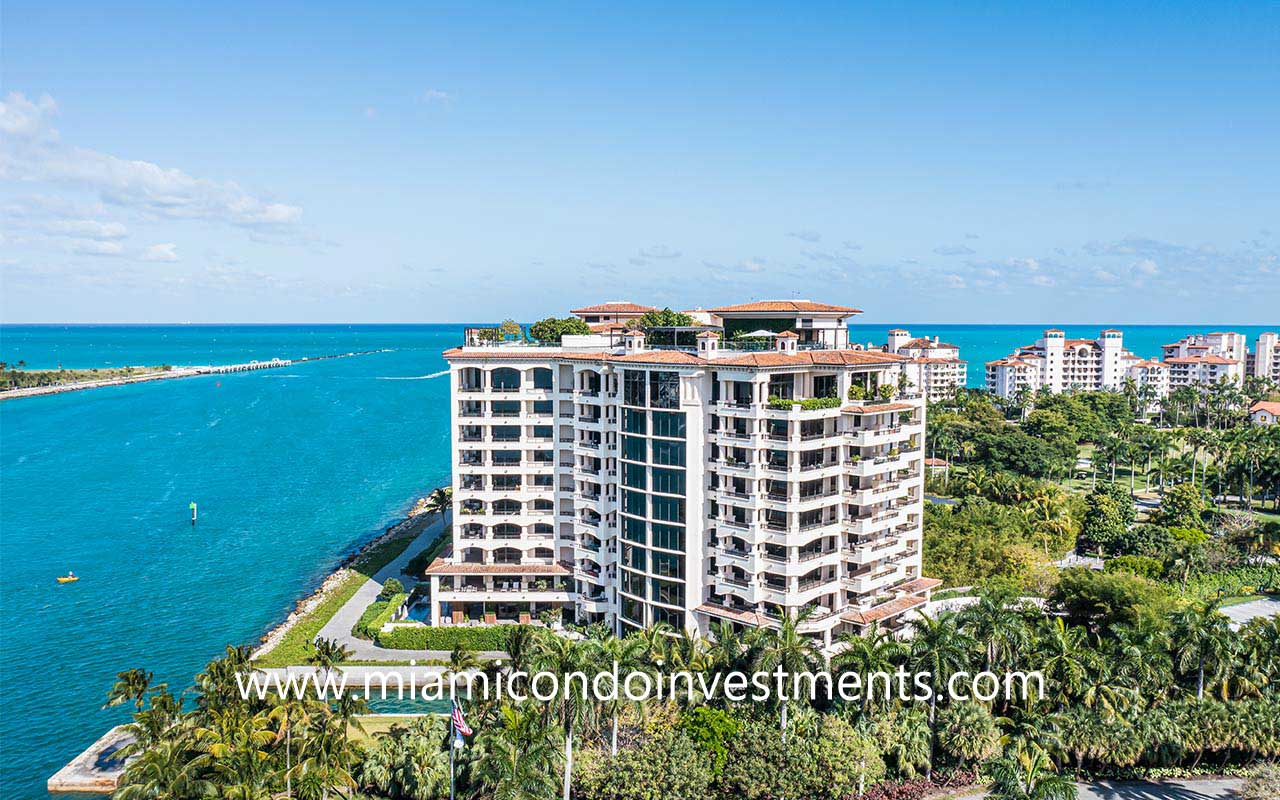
489, 637
667, 765
552, 329
391, 588
419, 563
378, 613
1263, 786
1143, 566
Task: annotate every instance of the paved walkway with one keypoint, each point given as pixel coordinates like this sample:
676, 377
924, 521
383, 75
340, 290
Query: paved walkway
340, 625
1243, 612
1208, 789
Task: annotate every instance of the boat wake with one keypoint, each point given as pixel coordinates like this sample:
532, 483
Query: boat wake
439, 374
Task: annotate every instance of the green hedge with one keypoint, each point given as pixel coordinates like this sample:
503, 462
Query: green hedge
419, 563
807, 404
378, 613
491, 637
1264, 579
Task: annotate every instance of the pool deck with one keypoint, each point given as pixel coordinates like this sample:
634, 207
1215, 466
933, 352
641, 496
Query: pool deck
94, 771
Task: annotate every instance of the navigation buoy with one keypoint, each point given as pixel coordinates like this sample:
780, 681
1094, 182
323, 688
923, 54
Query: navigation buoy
193, 513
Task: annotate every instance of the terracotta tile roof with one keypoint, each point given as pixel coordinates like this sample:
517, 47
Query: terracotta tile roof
659, 357
785, 305
515, 354
919, 585
924, 341
898, 330
1209, 359
606, 327
882, 611
1081, 343
613, 308
809, 358
936, 462
877, 409
1269, 406
788, 335
745, 617
708, 335
442, 567
1111, 330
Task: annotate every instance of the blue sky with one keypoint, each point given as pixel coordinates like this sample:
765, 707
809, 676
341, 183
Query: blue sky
968, 162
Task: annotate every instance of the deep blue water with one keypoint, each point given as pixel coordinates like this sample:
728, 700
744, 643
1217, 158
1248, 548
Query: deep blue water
292, 469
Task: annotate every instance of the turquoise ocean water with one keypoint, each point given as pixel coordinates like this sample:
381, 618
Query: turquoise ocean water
292, 468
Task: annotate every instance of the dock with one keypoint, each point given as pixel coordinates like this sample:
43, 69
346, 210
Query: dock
96, 770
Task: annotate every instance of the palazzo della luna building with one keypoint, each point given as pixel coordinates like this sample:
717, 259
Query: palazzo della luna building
749, 466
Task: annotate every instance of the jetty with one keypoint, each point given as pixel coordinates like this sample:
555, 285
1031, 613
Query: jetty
95, 771
174, 372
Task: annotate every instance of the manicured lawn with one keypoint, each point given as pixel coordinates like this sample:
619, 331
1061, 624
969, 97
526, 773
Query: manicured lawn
1235, 601
374, 724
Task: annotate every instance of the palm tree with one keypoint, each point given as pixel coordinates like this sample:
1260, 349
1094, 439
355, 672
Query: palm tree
995, 621
785, 648
164, 771
1064, 656
1203, 641
327, 654
628, 655
938, 648
968, 732
867, 653
439, 501
518, 756
562, 656
132, 684
1028, 774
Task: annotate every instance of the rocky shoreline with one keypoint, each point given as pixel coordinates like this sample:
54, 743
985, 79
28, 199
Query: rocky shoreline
306, 605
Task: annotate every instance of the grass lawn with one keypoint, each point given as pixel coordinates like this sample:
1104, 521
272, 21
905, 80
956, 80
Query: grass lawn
374, 724
1235, 601
295, 647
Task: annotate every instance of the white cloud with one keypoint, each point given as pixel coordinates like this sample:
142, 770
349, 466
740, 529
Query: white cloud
1147, 267
806, 235
954, 250
954, 281
436, 96
1042, 280
659, 251
89, 247
33, 152
167, 252
86, 229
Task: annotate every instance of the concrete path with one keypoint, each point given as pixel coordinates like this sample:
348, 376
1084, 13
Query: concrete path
1207, 789
1243, 612
340, 625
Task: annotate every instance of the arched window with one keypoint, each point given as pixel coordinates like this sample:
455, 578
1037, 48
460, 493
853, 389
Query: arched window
541, 378
473, 555
543, 529
506, 531
505, 379
542, 552
506, 555
543, 505
506, 507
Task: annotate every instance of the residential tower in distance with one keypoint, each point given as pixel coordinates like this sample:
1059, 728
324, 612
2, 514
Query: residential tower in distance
1055, 364
939, 368
744, 468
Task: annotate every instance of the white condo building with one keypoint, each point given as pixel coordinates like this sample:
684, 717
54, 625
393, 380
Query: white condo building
1056, 364
937, 369
629, 483
1207, 358
1264, 361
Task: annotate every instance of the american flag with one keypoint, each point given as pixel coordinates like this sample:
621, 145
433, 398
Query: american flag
460, 724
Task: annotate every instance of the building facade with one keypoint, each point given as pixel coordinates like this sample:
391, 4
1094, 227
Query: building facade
632, 485
936, 367
1057, 364
1264, 361
1206, 358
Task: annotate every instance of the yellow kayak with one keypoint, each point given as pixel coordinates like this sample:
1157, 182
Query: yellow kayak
68, 578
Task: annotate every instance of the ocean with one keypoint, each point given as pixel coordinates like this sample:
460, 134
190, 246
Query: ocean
292, 468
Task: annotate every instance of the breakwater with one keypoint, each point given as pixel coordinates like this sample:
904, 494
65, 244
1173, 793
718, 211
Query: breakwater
174, 372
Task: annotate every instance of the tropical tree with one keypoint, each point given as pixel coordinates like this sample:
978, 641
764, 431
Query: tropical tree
786, 648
